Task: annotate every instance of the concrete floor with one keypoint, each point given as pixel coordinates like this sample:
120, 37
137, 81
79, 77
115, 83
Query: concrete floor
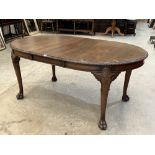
71, 105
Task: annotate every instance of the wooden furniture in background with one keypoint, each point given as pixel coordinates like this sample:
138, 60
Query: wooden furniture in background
131, 27
104, 59
75, 26
84, 26
126, 26
47, 24
113, 29
17, 25
88, 26
66, 25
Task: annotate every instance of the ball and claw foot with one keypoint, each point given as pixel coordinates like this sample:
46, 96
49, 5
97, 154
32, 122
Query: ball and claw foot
54, 79
125, 98
102, 125
19, 96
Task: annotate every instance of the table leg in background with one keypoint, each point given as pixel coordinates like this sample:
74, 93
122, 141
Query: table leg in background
125, 97
54, 78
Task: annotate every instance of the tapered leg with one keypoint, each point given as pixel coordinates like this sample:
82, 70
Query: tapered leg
105, 77
15, 61
54, 78
125, 97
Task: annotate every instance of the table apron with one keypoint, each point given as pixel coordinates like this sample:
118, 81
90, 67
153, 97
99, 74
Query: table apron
78, 66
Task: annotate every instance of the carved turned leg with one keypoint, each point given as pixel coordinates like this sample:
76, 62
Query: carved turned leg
54, 78
105, 77
15, 61
125, 97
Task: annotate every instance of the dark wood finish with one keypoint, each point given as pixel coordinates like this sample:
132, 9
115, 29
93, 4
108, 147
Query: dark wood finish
54, 78
102, 24
130, 27
89, 26
126, 26
105, 77
47, 24
18, 27
76, 25
104, 59
125, 97
15, 61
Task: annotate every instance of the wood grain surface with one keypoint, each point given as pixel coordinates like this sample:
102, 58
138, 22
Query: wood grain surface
80, 50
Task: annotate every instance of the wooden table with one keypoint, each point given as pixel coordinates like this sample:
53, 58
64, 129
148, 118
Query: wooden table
104, 59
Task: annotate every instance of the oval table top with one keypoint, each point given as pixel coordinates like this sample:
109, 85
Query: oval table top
80, 50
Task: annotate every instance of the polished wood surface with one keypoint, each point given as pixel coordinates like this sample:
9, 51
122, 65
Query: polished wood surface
104, 59
80, 50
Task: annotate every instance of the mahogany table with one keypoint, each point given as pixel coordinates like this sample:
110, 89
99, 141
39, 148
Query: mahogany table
104, 59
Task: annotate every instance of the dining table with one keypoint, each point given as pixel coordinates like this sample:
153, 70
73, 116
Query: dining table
104, 59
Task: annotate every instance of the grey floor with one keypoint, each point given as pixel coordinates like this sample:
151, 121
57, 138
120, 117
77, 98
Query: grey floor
71, 105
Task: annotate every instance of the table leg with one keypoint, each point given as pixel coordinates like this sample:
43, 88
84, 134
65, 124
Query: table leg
125, 97
15, 61
54, 78
105, 78
108, 30
118, 31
